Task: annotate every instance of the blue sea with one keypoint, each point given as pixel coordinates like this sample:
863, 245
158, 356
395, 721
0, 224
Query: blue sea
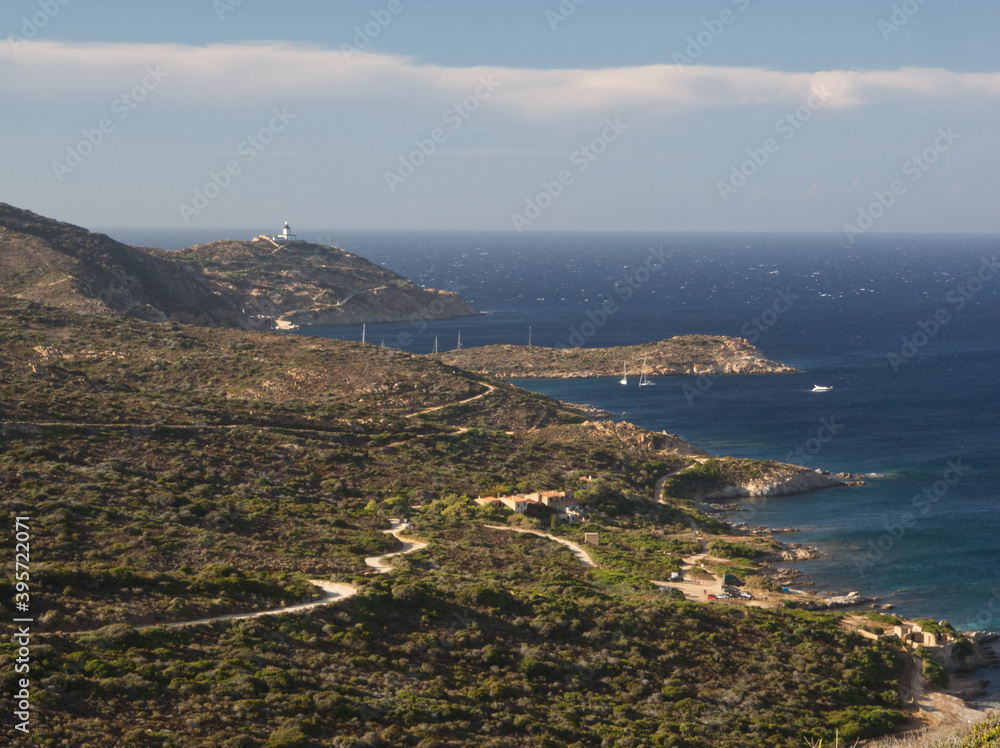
904, 329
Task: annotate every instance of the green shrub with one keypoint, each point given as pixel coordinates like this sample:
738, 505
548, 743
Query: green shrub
289, 737
865, 722
887, 620
726, 549
932, 670
962, 648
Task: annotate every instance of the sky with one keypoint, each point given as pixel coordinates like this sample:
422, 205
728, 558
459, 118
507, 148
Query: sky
524, 115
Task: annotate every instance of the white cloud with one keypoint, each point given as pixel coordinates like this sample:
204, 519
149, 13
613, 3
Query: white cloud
228, 74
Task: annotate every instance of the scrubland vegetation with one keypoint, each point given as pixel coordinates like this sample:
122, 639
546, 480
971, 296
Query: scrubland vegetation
173, 473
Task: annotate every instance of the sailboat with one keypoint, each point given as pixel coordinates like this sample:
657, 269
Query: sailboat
643, 381
624, 379
364, 329
435, 345
459, 340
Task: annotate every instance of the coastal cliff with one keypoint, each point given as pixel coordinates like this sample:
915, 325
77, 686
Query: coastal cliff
696, 355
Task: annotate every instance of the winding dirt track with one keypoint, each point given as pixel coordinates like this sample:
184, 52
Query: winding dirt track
334, 592
582, 556
489, 388
937, 713
942, 712
409, 546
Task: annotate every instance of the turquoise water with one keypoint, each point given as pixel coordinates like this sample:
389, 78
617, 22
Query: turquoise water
940, 561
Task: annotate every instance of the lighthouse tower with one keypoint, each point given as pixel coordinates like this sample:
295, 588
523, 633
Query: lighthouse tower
286, 235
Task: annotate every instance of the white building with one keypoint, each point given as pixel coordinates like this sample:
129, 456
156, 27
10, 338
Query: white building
285, 236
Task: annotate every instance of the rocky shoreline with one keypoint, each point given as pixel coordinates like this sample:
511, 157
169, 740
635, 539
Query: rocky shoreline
789, 483
974, 692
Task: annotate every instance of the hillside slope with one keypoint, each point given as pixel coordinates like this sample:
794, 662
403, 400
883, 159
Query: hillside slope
170, 473
69, 267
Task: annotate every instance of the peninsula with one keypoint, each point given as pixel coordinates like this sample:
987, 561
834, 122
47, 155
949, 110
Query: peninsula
685, 354
251, 285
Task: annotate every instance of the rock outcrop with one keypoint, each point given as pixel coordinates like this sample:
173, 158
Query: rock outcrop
786, 480
633, 436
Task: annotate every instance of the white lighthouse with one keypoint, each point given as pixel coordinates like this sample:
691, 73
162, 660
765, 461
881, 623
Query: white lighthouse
286, 235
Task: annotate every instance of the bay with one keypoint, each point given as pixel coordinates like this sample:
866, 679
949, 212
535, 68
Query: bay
902, 327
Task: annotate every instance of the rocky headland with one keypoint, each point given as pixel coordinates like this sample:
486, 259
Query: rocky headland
692, 355
250, 285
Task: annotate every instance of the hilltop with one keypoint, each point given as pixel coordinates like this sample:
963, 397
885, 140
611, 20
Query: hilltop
253, 285
685, 354
66, 266
299, 283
